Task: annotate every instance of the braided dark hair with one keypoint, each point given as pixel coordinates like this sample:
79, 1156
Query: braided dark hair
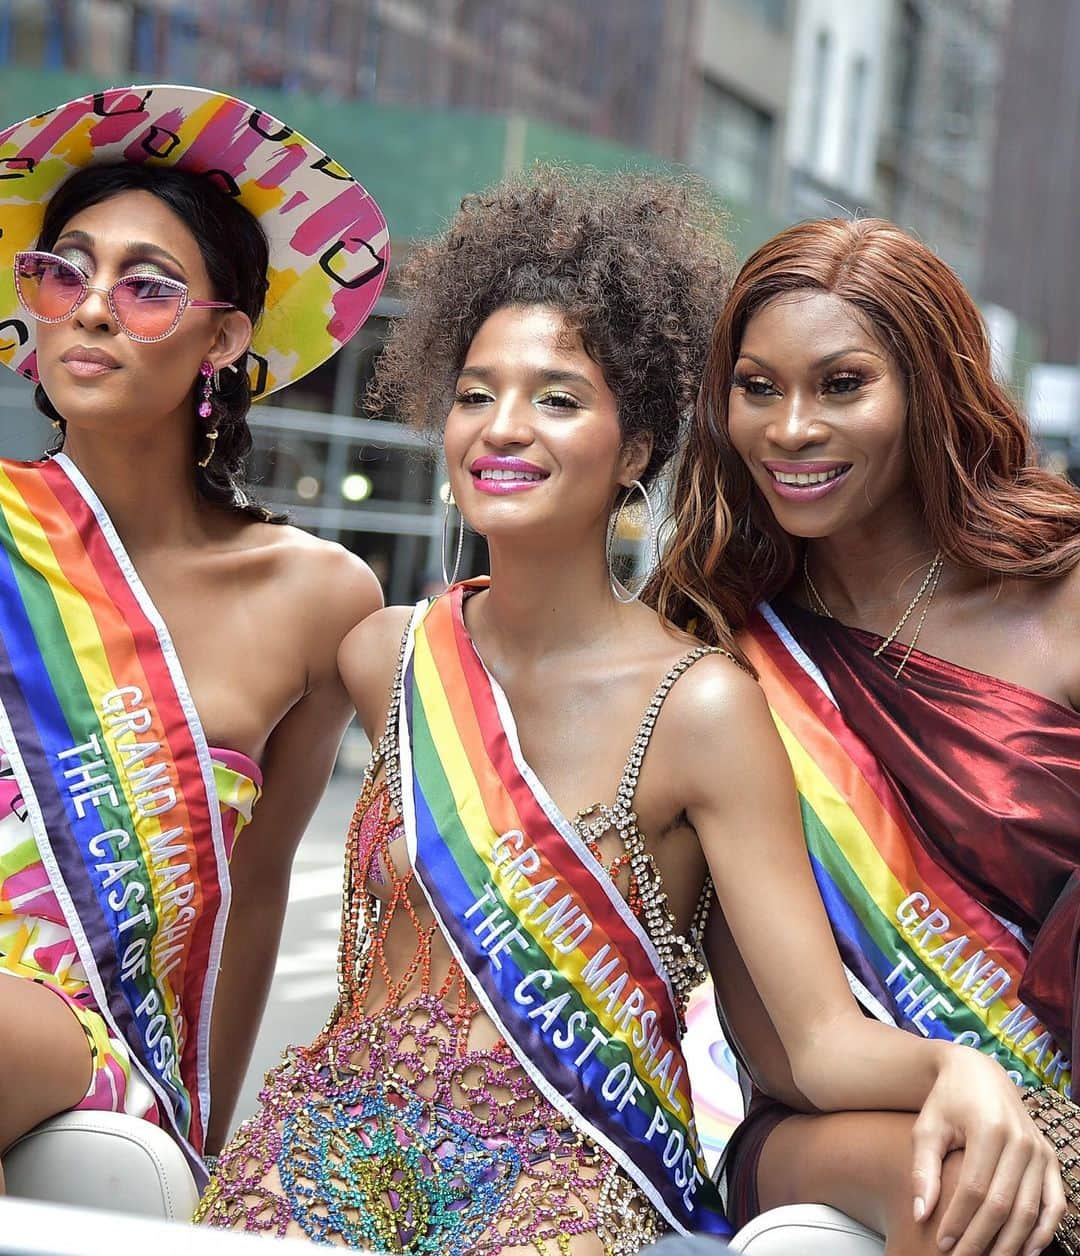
234, 250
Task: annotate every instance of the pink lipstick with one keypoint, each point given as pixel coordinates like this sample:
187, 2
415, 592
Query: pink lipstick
500, 476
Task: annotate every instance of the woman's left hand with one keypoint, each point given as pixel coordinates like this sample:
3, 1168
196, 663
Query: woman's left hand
1009, 1200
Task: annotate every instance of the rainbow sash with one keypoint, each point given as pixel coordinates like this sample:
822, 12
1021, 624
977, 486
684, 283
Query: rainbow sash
116, 779
920, 951
553, 953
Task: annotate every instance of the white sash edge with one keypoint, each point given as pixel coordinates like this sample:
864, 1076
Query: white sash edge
795, 650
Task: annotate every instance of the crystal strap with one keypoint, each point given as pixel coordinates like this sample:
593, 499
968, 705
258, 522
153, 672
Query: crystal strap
1058, 1120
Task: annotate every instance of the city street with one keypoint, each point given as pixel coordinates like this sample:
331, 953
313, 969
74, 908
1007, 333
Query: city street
305, 980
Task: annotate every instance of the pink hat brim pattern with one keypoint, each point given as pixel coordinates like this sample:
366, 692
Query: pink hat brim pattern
329, 244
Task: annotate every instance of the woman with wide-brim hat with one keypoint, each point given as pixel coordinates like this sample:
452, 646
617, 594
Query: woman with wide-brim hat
167, 646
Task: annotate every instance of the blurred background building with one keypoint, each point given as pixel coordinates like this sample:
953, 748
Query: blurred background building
960, 119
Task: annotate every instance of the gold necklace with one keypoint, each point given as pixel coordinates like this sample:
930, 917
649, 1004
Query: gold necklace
817, 602
930, 582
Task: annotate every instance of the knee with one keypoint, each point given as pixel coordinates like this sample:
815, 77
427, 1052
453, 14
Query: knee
45, 1062
908, 1237
12, 1085
12, 1081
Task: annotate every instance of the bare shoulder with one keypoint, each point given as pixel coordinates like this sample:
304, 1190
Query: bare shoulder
367, 661
720, 737
1061, 623
328, 588
715, 695
345, 586
376, 641
314, 590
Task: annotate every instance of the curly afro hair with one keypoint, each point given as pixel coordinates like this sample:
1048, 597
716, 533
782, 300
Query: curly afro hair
638, 264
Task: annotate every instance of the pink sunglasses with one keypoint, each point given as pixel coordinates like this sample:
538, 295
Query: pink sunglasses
147, 307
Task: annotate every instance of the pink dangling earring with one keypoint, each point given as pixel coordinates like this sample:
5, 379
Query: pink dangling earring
206, 409
206, 406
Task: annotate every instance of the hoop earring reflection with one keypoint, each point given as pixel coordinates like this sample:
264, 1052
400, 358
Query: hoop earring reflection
618, 590
448, 580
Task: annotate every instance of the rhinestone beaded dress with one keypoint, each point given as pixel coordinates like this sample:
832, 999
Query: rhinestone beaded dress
408, 1125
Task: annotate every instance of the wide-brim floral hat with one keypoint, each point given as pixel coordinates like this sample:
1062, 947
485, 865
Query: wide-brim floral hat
329, 245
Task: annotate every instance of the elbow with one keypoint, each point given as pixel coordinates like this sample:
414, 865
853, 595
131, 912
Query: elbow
784, 1089
810, 1085
772, 1074
817, 1066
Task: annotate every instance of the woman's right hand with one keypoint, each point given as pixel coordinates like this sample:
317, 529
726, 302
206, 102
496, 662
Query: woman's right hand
860, 1163
1009, 1198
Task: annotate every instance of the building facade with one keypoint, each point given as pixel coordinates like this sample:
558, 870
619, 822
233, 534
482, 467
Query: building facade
949, 116
837, 84
942, 104
1031, 261
618, 71
810, 108
894, 106
741, 67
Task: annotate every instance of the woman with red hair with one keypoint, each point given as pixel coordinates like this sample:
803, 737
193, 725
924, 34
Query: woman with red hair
860, 513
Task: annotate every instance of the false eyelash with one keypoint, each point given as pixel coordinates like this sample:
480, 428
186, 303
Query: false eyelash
740, 380
858, 377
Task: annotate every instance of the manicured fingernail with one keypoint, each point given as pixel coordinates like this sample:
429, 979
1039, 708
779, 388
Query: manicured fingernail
920, 1207
1034, 1249
946, 1245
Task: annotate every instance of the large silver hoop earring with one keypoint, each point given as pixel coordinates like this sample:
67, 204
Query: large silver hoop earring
617, 589
448, 580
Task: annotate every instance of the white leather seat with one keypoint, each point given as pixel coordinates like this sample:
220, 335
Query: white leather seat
102, 1160
29, 1229
106, 1160
806, 1230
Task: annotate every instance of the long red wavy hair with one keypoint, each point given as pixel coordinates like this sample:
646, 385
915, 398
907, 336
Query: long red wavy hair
988, 505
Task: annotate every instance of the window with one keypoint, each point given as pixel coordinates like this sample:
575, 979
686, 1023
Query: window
774, 12
959, 94
56, 38
853, 140
184, 51
733, 145
906, 67
819, 79
143, 42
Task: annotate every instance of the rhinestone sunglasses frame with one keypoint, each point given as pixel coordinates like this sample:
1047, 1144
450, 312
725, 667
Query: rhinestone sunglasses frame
186, 300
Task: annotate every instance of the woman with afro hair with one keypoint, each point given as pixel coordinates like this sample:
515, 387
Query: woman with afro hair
545, 817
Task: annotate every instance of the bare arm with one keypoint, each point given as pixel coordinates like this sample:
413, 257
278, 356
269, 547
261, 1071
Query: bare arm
742, 802
296, 767
746, 1022
367, 662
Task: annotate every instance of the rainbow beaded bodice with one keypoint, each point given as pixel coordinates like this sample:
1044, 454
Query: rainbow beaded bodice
409, 1125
